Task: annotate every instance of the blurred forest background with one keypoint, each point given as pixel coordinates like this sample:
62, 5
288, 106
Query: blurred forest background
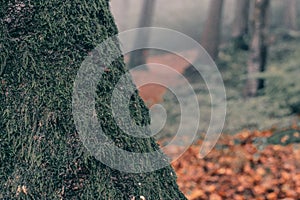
256, 46
274, 104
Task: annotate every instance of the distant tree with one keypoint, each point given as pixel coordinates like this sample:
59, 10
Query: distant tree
42, 46
125, 6
291, 12
210, 39
259, 48
241, 23
138, 57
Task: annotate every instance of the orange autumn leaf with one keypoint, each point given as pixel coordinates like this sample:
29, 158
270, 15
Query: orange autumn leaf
215, 197
197, 194
284, 139
272, 196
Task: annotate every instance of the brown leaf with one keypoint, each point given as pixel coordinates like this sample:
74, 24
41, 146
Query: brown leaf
215, 197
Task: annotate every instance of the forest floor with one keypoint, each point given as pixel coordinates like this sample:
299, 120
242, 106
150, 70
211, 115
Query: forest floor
258, 159
242, 169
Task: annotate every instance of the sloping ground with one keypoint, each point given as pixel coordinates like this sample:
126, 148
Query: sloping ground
171, 76
241, 168
153, 93
272, 108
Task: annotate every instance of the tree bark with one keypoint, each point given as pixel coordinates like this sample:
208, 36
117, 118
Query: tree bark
259, 48
138, 57
241, 23
211, 36
42, 46
291, 15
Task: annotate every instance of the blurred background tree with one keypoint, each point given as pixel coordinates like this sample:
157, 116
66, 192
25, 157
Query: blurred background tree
138, 57
291, 13
241, 24
210, 38
259, 48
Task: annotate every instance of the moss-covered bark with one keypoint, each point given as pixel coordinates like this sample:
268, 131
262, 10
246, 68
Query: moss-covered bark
42, 45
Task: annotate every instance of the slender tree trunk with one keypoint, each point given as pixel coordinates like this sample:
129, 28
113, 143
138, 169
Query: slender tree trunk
241, 23
42, 156
139, 57
291, 13
258, 54
211, 36
125, 6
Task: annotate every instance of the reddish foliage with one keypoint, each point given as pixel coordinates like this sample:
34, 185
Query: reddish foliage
240, 171
153, 93
236, 171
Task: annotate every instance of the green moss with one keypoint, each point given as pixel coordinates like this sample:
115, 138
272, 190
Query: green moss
42, 46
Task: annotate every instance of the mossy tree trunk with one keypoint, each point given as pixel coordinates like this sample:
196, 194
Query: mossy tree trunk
259, 48
43, 44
